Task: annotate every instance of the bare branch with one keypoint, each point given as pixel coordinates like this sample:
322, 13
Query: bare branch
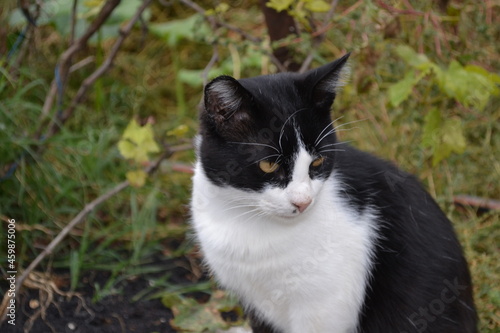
65, 60
394, 10
106, 65
73, 22
64, 232
218, 23
476, 202
53, 88
90, 207
25, 36
215, 23
211, 63
320, 36
82, 63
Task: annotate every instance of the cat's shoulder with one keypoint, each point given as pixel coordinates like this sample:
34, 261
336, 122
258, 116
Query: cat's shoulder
355, 163
371, 180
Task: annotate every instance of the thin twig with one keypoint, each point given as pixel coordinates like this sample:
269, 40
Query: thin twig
73, 22
434, 19
80, 43
394, 10
440, 30
476, 202
320, 37
215, 23
90, 207
53, 86
106, 65
213, 20
211, 63
82, 63
64, 232
14, 67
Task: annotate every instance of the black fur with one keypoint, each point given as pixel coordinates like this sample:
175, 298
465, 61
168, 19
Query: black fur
420, 280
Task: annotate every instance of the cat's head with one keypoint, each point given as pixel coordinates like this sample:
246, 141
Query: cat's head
271, 137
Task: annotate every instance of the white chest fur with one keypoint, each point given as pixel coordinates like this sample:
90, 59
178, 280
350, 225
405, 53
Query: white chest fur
307, 273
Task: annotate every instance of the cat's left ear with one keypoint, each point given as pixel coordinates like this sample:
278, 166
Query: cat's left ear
326, 81
227, 107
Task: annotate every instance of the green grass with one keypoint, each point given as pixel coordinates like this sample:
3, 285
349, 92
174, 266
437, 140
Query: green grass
82, 161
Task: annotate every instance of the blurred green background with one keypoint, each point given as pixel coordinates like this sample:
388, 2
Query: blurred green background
424, 89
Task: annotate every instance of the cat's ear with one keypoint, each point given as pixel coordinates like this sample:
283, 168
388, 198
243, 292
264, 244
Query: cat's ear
326, 81
227, 106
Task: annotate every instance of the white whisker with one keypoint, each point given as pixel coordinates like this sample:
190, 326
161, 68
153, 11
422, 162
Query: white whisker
283, 127
259, 214
255, 144
326, 127
333, 144
336, 129
324, 136
350, 122
327, 150
247, 212
238, 206
346, 129
267, 157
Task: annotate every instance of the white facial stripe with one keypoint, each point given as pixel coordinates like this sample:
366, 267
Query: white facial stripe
300, 192
301, 166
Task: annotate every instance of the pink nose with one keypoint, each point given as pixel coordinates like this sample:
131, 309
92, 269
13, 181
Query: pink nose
302, 205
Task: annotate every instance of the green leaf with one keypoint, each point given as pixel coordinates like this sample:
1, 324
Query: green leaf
75, 263
432, 125
495, 78
175, 31
57, 13
472, 86
411, 57
172, 299
444, 137
317, 6
219, 9
401, 90
279, 5
453, 135
194, 78
179, 132
125, 11
137, 142
190, 316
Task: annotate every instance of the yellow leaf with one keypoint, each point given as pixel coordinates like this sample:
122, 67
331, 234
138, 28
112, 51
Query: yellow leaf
137, 142
93, 3
317, 6
222, 8
279, 5
179, 132
137, 178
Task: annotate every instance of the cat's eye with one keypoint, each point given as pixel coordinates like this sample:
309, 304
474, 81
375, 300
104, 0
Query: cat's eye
268, 166
317, 162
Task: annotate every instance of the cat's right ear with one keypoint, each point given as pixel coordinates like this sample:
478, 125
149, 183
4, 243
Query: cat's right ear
326, 81
226, 106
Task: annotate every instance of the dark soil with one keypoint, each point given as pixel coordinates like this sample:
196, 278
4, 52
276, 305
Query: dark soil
113, 314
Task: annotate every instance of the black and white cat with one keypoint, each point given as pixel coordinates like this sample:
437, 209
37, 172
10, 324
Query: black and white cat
313, 235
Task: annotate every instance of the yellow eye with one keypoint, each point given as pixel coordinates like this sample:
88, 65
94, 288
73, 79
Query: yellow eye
268, 167
317, 162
